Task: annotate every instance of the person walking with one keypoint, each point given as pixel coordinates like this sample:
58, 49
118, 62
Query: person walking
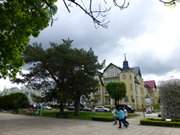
115, 115
121, 117
125, 116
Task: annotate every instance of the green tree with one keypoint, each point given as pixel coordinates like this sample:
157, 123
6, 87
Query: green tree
83, 81
64, 72
20, 19
117, 90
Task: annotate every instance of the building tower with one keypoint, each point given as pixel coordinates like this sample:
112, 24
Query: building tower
125, 63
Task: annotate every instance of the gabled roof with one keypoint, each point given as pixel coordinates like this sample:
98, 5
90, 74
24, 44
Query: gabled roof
150, 84
136, 71
111, 64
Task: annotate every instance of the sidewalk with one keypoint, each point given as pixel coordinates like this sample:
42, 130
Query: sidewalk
24, 125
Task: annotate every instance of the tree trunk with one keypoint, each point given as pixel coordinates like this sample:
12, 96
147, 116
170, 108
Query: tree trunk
61, 107
77, 105
116, 102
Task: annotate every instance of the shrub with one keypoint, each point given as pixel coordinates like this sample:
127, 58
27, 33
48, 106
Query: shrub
14, 101
160, 122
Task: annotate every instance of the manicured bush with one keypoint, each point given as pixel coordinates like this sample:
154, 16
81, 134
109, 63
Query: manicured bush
160, 122
101, 118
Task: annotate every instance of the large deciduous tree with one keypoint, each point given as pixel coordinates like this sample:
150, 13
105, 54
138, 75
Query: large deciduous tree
116, 90
66, 73
20, 19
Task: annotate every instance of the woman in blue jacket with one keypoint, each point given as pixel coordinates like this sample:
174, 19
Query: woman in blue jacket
121, 116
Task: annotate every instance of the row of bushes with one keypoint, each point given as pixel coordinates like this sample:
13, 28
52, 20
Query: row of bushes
160, 122
13, 101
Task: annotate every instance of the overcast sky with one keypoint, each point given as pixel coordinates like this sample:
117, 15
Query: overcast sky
147, 31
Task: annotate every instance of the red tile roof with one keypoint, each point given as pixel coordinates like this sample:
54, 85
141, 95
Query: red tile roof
150, 84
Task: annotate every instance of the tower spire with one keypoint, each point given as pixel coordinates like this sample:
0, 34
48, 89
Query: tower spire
124, 56
125, 63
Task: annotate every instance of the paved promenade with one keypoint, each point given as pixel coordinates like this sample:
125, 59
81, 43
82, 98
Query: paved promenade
24, 125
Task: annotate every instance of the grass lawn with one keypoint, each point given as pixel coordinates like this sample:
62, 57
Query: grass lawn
82, 115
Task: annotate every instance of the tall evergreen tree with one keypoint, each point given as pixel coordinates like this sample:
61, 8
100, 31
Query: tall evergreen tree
66, 73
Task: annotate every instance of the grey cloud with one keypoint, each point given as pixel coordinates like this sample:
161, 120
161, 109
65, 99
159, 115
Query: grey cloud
152, 65
79, 27
128, 23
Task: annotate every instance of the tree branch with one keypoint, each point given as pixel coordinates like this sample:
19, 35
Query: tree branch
66, 6
125, 4
97, 15
90, 12
171, 2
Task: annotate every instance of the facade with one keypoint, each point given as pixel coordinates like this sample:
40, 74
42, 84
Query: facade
151, 91
131, 76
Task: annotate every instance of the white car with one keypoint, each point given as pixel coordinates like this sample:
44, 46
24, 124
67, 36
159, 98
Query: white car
101, 109
47, 107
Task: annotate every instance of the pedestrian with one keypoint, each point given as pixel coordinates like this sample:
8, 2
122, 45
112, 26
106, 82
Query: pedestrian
115, 115
125, 115
143, 110
121, 117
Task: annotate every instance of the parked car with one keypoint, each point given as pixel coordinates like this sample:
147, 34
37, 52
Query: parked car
47, 107
129, 108
71, 107
101, 109
85, 108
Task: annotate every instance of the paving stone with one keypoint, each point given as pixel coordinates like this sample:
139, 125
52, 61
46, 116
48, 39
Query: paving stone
11, 124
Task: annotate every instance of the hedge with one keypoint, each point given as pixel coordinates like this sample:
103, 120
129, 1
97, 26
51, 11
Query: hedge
160, 122
101, 118
13, 101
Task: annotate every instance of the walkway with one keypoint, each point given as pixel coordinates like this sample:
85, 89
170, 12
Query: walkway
24, 125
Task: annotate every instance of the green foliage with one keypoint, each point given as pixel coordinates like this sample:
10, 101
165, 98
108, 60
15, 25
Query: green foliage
14, 101
160, 122
37, 99
117, 90
20, 19
61, 70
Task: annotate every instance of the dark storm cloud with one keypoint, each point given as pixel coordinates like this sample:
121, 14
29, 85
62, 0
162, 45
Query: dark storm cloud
79, 27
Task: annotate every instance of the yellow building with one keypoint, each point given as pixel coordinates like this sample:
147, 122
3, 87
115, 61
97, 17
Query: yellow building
131, 76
